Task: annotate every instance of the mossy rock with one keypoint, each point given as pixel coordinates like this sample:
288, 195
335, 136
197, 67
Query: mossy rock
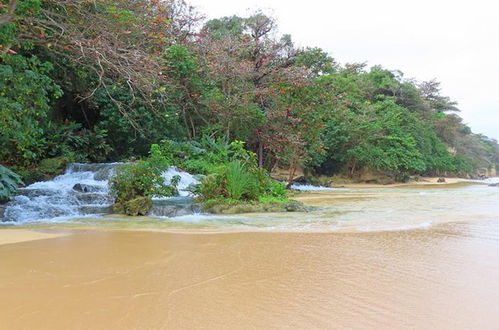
255, 207
139, 206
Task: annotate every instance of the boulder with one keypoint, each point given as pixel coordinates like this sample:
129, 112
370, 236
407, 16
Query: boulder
248, 207
92, 198
2, 211
494, 185
441, 180
139, 206
85, 188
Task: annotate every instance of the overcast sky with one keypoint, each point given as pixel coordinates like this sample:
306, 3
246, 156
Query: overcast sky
456, 42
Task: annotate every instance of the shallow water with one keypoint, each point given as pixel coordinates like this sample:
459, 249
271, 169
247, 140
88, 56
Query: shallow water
339, 210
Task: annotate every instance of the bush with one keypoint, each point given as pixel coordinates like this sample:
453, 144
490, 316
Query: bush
239, 181
207, 156
46, 169
9, 181
142, 179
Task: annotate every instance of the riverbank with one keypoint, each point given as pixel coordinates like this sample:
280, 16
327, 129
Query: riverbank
445, 277
423, 181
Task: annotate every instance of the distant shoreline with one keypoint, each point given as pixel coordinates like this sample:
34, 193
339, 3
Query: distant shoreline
424, 181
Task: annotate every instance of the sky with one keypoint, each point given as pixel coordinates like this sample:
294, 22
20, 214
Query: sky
455, 42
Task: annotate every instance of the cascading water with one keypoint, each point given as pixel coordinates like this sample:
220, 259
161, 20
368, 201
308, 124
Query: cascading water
177, 206
83, 191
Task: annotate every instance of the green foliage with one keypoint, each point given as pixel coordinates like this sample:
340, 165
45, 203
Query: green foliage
26, 93
46, 169
131, 135
238, 178
9, 181
239, 181
207, 156
233, 89
143, 179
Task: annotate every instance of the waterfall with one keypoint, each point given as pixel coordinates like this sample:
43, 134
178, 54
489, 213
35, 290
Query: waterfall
83, 191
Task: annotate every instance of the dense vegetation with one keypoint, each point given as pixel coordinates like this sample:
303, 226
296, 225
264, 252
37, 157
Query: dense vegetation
103, 80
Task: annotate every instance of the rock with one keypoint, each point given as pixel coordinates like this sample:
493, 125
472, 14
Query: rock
247, 207
441, 180
295, 206
28, 192
2, 211
92, 209
85, 188
91, 198
103, 174
139, 206
494, 185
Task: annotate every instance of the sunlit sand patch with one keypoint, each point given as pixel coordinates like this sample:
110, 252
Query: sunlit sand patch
10, 236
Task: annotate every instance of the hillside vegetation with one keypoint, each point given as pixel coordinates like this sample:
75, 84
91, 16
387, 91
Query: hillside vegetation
104, 80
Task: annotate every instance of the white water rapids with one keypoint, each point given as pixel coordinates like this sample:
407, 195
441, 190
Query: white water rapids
82, 191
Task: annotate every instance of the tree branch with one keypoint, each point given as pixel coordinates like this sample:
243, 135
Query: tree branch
7, 17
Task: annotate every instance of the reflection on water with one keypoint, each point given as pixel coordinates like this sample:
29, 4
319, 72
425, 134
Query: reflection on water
347, 210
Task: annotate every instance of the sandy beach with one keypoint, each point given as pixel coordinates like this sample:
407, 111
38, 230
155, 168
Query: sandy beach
10, 236
445, 277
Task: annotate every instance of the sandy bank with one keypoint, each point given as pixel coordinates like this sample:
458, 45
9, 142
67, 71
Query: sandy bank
146, 280
10, 236
424, 181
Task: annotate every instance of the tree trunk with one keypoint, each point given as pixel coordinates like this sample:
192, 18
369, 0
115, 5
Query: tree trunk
292, 172
260, 154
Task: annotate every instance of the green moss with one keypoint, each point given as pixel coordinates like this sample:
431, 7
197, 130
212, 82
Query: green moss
231, 206
139, 206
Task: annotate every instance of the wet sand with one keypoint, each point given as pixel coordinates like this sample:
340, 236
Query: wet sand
443, 277
428, 182
9, 236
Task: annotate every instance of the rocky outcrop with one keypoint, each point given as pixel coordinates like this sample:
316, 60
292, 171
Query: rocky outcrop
86, 188
2, 211
441, 180
139, 206
248, 207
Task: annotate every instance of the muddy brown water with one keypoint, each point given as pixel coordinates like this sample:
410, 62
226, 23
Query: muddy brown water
442, 276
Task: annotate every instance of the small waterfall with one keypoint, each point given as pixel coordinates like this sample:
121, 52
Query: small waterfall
83, 191
187, 180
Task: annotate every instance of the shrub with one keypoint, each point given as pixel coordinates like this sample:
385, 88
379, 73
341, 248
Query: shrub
239, 181
9, 181
142, 179
277, 190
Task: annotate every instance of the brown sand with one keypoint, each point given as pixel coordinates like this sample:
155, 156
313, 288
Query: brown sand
424, 181
10, 236
446, 277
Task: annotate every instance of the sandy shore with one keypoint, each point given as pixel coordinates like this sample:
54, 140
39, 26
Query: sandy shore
446, 277
10, 236
424, 181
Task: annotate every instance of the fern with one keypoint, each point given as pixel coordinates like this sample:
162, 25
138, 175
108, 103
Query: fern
239, 180
9, 181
